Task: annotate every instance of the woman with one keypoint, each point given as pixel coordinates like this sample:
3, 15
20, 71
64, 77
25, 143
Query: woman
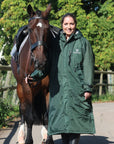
71, 77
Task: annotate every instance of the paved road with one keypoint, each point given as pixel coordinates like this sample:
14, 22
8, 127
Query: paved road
104, 121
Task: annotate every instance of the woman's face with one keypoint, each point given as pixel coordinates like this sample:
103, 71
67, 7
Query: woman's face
69, 26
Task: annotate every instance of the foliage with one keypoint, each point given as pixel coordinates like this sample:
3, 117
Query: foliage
92, 5
4, 111
7, 111
94, 19
103, 98
105, 41
100, 34
14, 13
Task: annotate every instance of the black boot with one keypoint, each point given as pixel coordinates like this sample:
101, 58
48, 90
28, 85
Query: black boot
65, 138
65, 141
74, 138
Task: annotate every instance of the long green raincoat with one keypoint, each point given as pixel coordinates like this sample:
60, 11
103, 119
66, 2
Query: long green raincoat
71, 74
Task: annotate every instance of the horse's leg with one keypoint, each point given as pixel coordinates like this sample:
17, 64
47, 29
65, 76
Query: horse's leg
29, 139
46, 139
21, 133
29, 122
49, 140
22, 108
44, 134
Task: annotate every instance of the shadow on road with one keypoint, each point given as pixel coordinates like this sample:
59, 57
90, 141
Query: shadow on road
8, 139
95, 140
84, 139
90, 140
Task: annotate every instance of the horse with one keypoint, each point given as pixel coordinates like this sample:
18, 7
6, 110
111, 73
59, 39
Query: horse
32, 55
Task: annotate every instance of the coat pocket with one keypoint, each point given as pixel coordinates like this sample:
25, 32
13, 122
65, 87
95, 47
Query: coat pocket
86, 105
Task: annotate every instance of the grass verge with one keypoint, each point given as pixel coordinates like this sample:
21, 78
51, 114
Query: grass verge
103, 98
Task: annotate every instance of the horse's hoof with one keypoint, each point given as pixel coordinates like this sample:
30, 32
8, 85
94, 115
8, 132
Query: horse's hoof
19, 143
44, 141
29, 142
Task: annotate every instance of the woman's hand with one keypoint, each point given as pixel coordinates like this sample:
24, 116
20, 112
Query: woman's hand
87, 95
27, 78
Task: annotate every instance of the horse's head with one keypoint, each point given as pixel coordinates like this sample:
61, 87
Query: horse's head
38, 27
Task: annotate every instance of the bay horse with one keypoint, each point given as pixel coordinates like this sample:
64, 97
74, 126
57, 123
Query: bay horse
34, 95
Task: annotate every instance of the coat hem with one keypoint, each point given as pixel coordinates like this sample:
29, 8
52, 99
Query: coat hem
78, 132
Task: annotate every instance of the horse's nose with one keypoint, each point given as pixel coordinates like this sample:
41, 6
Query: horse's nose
42, 64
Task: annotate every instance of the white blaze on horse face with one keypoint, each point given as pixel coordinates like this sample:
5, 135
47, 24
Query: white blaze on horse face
39, 24
21, 134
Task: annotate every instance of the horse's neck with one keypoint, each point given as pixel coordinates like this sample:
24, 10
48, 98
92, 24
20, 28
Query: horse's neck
23, 43
25, 57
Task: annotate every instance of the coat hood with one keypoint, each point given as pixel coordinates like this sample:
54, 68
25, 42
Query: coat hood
76, 35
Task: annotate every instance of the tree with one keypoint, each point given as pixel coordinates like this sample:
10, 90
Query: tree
14, 16
94, 19
92, 5
100, 33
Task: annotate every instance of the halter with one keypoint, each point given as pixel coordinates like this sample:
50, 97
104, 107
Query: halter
38, 43
36, 17
33, 46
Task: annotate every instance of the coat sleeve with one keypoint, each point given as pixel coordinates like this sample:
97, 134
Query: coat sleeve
88, 67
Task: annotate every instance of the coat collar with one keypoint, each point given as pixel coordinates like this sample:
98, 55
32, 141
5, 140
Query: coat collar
75, 35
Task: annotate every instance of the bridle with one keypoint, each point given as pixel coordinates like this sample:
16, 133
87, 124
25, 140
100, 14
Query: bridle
38, 43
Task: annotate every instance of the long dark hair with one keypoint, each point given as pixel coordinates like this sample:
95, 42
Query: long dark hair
68, 14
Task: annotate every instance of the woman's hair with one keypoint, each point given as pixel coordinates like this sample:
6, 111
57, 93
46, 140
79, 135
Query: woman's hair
68, 14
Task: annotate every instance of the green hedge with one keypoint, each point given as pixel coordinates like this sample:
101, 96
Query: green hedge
7, 112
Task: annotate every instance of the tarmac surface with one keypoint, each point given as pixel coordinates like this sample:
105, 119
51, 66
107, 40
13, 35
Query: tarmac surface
104, 123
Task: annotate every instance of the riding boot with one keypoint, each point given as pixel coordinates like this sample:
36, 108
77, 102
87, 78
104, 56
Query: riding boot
65, 138
74, 139
65, 141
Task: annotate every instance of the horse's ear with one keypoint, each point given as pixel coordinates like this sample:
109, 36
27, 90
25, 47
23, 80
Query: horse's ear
47, 11
30, 10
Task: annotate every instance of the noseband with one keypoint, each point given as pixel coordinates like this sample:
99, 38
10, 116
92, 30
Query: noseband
38, 43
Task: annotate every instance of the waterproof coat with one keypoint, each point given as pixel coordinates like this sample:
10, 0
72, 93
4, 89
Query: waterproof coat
71, 74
